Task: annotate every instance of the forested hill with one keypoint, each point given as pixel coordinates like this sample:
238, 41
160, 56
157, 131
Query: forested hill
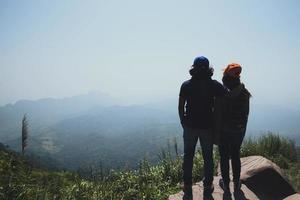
87, 129
19, 179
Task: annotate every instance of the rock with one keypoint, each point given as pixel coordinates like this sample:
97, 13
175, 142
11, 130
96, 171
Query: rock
261, 178
293, 197
265, 178
217, 194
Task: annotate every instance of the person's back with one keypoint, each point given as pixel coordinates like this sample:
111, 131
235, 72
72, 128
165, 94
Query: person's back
195, 106
199, 94
236, 110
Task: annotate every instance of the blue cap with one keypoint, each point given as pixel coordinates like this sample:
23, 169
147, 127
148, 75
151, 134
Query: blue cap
201, 61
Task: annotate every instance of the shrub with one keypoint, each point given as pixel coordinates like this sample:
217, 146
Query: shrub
272, 146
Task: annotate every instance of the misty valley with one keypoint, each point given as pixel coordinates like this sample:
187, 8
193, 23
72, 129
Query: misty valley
92, 129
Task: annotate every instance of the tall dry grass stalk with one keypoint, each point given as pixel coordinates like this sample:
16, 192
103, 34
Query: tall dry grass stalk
24, 133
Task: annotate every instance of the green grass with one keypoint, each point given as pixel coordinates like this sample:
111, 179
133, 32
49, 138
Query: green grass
278, 149
19, 181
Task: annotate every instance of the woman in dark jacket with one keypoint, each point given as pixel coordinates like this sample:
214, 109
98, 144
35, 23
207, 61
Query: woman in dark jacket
234, 123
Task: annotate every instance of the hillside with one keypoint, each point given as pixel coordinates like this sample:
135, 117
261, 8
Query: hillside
19, 180
101, 130
116, 135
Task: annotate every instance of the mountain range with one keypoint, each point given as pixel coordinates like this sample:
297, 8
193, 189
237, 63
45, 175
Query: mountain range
87, 129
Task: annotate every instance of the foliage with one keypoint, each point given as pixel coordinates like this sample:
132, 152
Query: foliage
279, 149
18, 180
293, 175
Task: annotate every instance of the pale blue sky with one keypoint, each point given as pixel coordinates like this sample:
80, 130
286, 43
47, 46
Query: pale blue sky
141, 51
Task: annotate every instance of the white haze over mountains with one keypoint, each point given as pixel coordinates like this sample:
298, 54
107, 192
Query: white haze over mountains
103, 128
141, 51
137, 53
46, 112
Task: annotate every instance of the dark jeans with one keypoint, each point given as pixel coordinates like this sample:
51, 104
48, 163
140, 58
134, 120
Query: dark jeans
229, 147
190, 139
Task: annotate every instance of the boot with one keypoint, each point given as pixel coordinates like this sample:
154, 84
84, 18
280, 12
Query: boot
237, 186
188, 192
225, 187
207, 192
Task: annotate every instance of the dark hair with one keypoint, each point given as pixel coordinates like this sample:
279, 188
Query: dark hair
199, 72
231, 82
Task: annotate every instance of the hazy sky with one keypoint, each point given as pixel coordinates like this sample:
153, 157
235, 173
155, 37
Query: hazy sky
142, 50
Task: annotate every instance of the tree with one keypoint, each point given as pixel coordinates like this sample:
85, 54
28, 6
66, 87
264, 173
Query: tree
24, 133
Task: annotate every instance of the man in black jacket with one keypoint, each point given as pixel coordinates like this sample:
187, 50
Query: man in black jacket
235, 116
196, 101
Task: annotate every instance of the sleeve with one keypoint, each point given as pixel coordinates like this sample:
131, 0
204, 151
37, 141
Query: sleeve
183, 92
244, 112
246, 109
219, 89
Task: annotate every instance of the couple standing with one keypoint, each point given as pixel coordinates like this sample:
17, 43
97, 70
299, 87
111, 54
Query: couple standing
206, 109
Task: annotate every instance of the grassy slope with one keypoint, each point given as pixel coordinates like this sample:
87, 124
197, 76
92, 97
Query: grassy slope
19, 181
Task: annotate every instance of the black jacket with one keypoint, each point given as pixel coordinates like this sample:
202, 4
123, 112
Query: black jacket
235, 110
199, 95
